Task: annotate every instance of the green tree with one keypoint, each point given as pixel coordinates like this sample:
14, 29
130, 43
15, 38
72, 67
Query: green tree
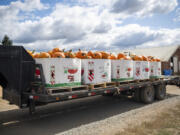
6, 41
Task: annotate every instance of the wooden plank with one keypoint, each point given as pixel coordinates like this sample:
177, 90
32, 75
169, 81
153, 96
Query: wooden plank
111, 84
97, 86
66, 89
132, 81
154, 79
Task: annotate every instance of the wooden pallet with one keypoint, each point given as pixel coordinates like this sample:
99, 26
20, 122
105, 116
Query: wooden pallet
97, 86
111, 84
66, 89
141, 80
156, 79
124, 82
131, 81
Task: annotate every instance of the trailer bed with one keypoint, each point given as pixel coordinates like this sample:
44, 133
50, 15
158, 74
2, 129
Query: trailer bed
48, 98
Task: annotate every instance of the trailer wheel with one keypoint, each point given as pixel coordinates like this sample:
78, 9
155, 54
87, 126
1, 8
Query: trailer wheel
147, 94
160, 91
137, 95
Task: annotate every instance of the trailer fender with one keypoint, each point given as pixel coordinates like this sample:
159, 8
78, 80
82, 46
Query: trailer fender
3, 81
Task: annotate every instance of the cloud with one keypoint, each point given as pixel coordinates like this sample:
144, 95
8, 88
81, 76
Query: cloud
48, 29
102, 28
127, 6
134, 35
29, 5
131, 8
127, 36
93, 25
142, 8
11, 11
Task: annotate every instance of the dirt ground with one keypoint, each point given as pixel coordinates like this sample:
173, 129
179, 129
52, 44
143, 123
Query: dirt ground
4, 105
166, 123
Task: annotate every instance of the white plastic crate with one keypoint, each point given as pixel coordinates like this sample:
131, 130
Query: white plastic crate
121, 70
155, 69
141, 70
60, 72
96, 71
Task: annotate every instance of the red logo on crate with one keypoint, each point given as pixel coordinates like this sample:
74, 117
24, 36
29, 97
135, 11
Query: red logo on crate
71, 78
152, 71
82, 72
129, 69
52, 75
91, 75
138, 71
118, 71
72, 71
147, 69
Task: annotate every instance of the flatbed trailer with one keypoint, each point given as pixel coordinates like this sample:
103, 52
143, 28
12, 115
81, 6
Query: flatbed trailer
23, 83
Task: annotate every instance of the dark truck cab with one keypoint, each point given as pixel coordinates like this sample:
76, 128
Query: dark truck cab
24, 84
17, 69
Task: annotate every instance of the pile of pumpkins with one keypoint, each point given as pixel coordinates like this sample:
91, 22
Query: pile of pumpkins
57, 53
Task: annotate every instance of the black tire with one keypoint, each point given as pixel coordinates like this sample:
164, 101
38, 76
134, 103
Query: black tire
147, 94
160, 91
137, 95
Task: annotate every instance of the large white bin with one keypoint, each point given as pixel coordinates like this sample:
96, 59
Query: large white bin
96, 71
155, 69
121, 70
60, 72
141, 70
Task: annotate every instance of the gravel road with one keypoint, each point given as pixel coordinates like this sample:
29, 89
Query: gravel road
89, 116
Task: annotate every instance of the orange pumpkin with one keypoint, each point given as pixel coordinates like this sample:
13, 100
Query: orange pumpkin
36, 55
136, 58
105, 55
56, 50
81, 55
121, 56
127, 58
51, 53
90, 53
31, 53
97, 55
59, 55
89, 57
72, 55
69, 54
144, 58
149, 58
44, 55
158, 60
66, 54
113, 57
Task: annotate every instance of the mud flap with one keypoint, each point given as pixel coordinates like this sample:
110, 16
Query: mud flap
12, 97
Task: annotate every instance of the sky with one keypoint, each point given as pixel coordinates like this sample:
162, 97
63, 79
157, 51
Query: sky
90, 24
